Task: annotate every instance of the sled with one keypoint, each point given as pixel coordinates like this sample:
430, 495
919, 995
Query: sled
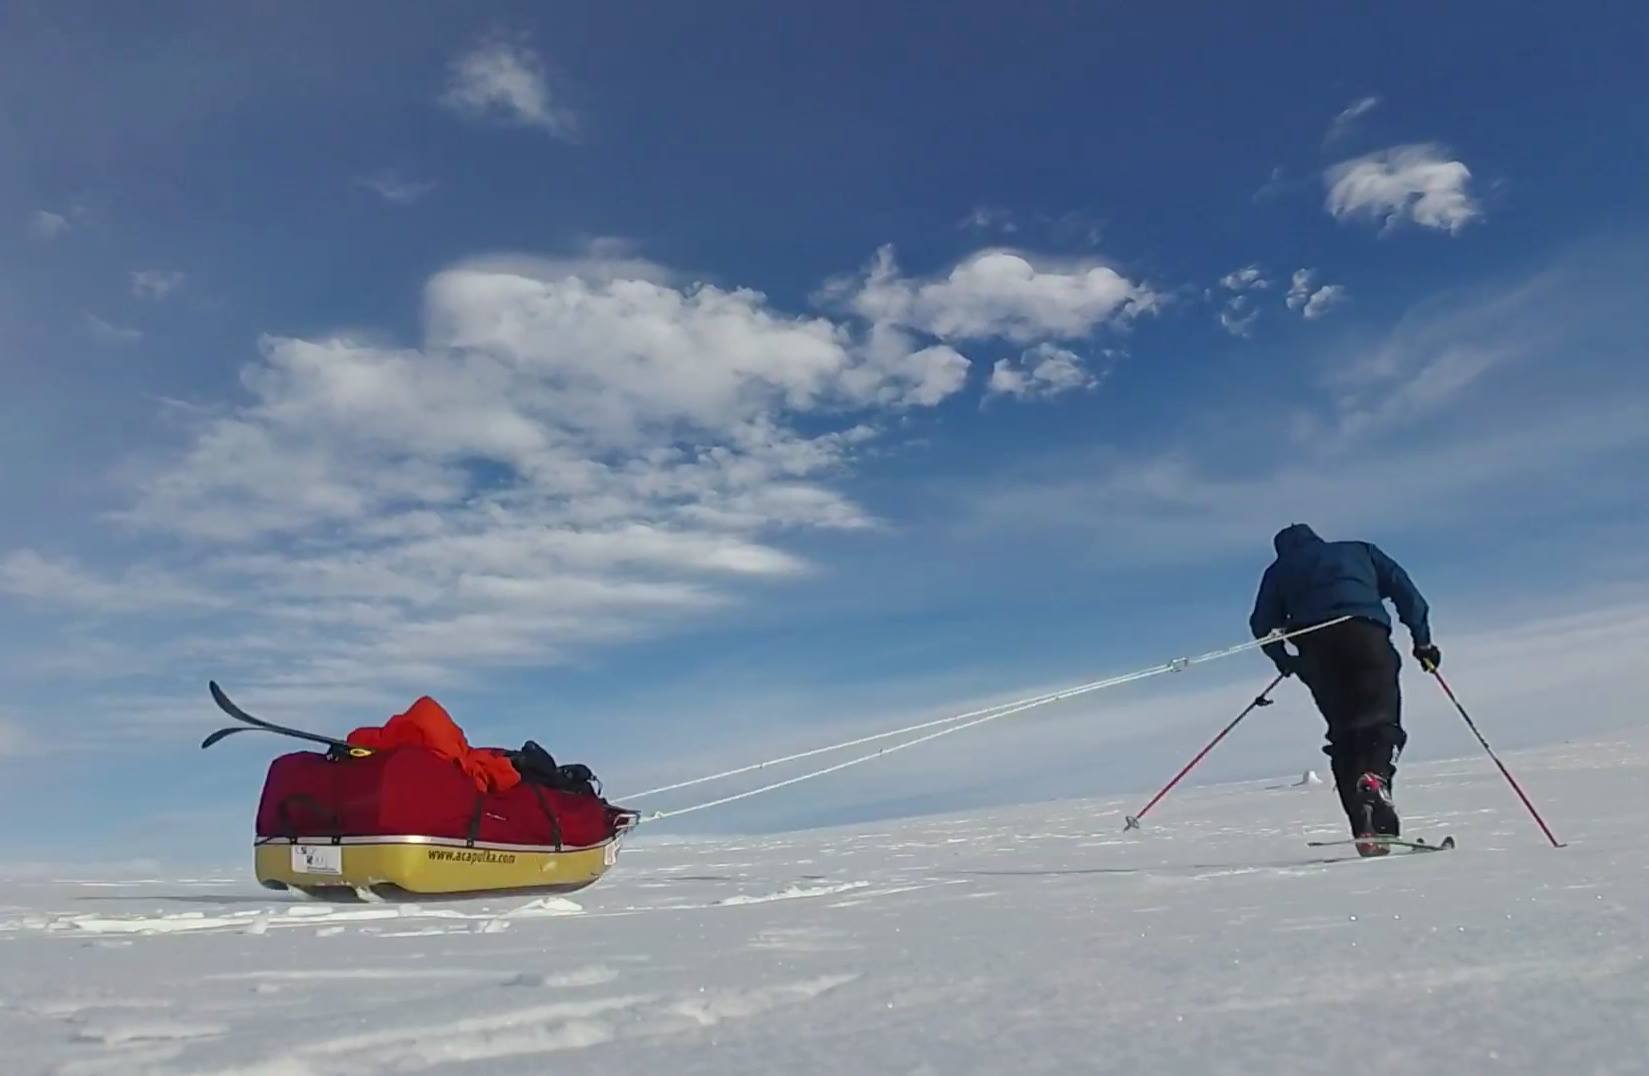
407, 822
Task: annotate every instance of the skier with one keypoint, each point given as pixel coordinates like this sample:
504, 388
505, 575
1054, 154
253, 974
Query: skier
1351, 668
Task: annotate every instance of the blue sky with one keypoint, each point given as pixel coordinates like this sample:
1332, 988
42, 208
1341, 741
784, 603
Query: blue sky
678, 387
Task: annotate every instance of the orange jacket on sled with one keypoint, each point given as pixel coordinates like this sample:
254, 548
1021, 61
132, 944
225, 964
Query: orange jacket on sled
427, 724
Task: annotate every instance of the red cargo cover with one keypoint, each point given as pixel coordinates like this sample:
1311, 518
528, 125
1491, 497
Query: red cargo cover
411, 792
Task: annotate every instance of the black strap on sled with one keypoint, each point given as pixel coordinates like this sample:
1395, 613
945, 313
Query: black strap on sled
475, 819
555, 823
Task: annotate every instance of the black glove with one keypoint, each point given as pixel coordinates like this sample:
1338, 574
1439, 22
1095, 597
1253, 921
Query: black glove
1287, 664
1429, 657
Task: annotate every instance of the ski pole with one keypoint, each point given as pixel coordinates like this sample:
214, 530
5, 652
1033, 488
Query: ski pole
1132, 821
1544, 828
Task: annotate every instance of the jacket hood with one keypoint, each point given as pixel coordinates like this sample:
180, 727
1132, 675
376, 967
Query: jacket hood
1294, 538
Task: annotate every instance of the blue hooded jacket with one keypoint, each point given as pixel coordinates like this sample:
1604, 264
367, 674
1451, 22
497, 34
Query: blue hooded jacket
1312, 581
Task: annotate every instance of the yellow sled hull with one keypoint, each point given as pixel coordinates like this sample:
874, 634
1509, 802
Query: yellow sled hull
388, 866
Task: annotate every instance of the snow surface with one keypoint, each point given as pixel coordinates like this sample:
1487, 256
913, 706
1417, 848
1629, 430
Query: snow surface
1035, 939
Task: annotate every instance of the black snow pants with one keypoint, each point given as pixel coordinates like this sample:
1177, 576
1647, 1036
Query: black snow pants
1352, 669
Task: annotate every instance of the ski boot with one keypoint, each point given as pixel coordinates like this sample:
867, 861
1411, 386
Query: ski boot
1376, 815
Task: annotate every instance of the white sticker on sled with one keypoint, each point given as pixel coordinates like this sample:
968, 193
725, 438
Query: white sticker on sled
317, 859
609, 855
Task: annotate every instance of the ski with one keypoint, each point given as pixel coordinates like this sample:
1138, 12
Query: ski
230, 731
1418, 845
228, 706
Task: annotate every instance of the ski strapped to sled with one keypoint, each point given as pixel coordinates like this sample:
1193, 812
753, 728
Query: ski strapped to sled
256, 724
1417, 845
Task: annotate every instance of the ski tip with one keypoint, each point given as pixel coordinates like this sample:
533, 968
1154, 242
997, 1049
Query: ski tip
223, 701
220, 734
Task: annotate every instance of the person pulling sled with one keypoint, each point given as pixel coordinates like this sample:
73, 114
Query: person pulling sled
1351, 668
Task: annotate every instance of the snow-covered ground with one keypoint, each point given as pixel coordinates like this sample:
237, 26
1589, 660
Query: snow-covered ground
1037, 939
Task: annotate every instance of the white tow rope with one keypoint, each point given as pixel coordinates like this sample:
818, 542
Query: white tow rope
944, 726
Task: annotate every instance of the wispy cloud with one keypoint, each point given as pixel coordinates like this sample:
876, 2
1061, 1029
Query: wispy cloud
1521, 428
109, 333
396, 189
989, 219
1277, 184
14, 739
1041, 373
35, 576
46, 225
1349, 116
1172, 508
1430, 359
1415, 183
156, 284
1073, 227
506, 81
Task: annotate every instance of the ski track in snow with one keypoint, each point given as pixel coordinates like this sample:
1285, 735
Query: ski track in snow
1037, 939
795, 892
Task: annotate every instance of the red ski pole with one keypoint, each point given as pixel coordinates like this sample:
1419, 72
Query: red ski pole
1544, 828
1132, 821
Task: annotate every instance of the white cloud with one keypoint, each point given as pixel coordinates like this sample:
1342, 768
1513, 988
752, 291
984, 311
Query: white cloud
1248, 278
1238, 316
1042, 372
397, 189
44, 224
627, 356
507, 82
898, 371
580, 449
1323, 300
1350, 115
1415, 182
110, 333
156, 284
1310, 300
1239, 313
1299, 289
998, 294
